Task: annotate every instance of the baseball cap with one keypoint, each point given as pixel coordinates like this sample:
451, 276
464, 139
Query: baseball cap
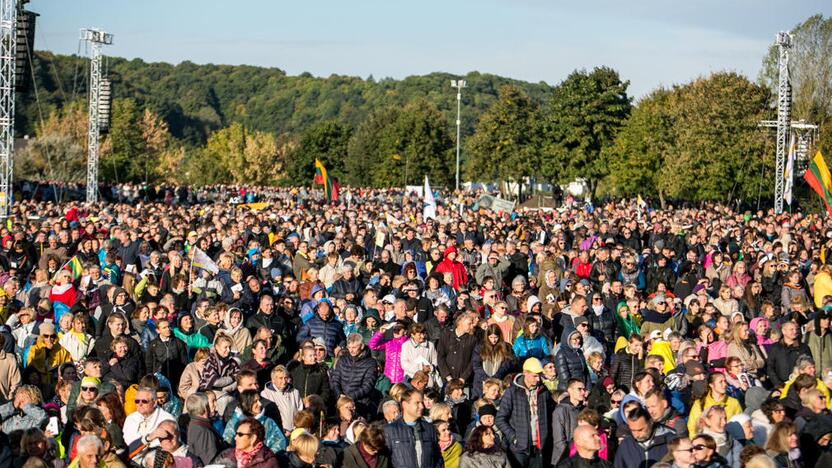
532, 365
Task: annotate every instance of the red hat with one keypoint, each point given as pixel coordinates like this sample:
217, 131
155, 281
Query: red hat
449, 250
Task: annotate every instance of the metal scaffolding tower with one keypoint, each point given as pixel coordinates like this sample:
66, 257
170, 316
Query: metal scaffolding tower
800, 132
95, 38
8, 57
784, 115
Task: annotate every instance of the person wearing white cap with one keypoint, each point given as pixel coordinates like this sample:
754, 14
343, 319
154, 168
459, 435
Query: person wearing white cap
524, 416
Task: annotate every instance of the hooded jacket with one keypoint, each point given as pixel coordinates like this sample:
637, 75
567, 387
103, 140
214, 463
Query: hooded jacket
453, 267
192, 339
288, 402
569, 361
514, 415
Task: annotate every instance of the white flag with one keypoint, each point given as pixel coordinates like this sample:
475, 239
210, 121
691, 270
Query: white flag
789, 175
202, 260
429, 205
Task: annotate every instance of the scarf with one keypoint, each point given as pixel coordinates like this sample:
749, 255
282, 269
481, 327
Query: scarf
722, 445
534, 417
370, 460
244, 458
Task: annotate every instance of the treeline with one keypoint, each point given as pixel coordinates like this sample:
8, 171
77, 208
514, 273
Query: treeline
213, 124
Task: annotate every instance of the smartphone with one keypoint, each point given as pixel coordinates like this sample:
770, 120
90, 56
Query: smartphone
52, 427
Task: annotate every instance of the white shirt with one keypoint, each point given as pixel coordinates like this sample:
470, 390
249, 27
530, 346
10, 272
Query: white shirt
137, 426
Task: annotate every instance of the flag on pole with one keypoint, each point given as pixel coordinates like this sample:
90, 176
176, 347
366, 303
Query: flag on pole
818, 177
322, 178
429, 205
202, 260
74, 266
789, 176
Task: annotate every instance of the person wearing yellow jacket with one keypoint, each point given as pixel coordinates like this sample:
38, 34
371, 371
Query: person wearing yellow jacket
717, 386
822, 286
47, 355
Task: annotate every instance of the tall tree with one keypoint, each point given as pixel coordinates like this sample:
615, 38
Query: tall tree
640, 147
326, 141
505, 144
123, 151
58, 150
583, 116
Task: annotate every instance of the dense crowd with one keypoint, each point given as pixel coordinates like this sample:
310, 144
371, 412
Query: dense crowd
280, 330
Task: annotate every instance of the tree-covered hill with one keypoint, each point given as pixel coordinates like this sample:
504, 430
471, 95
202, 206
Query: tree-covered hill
196, 100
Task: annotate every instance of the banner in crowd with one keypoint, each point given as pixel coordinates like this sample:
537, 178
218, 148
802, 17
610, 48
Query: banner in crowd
817, 176
490, 202
202, 260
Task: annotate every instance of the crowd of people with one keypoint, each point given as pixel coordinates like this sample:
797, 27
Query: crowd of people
283, 330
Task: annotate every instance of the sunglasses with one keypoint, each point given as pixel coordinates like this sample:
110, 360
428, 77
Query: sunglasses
615, 402
242, 434
140, 401
89, 389
49, 337
698, 447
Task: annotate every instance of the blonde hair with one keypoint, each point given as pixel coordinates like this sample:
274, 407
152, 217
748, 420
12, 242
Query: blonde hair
305, 445
808, 397
396, 392
440, 412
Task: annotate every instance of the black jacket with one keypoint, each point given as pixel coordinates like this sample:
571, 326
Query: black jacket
624, 367
569, 361
310, 380
126, 371
401, 440
273, 322
203, 441
455, 355
781, 360
167, 357
578, 462
514, 416
632, 454
354, 377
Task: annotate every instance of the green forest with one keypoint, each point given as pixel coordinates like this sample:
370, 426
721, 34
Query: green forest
205, 124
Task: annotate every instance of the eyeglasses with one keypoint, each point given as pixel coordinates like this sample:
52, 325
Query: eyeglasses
698, 447
242, 434
685, 450
140, 401
583, 325
89, 389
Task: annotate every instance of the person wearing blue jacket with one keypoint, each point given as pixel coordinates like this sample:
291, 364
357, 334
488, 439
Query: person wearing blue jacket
531, 343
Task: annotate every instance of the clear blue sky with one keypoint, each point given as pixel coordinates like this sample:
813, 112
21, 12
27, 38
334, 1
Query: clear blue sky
650, 42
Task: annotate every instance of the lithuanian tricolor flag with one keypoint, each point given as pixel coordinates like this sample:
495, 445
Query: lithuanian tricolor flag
322, 178
74, 266
818, 177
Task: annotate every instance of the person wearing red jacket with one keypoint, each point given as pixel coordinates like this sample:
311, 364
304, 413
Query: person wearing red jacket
450, 265
582, 265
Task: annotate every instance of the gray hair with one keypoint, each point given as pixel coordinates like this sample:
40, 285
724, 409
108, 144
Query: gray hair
197, 404
151, 391
355, 338
803, 361
88, 442
389, 403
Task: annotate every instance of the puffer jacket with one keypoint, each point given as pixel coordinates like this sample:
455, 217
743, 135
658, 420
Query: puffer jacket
400, 439
354, 376
603, 324
514, 416
483, 460
625, 366
569, 361
633, 454
392, 347
330, 330
310, 379
29, 417
47, 361
537, 347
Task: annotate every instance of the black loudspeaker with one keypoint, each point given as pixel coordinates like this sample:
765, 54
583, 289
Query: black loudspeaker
25, 47
105, 101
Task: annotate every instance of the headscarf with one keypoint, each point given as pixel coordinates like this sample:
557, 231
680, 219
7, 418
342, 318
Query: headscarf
627, 326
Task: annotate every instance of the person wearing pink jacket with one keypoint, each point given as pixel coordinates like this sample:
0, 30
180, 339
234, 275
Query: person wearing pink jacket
390, 340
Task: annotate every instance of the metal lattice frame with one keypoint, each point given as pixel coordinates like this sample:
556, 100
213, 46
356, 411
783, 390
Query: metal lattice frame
96, 38
784, 106
8, 57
